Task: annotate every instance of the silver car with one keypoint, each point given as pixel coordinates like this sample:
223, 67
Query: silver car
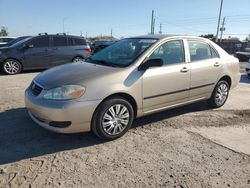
132, 78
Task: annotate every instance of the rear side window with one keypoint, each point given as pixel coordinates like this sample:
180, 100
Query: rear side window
40, 42
214, 53
79, 41
199, 50
59, 41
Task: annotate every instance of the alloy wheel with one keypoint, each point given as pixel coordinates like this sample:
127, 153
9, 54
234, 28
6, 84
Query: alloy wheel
116, 119
11, 67
78, 59
221, 94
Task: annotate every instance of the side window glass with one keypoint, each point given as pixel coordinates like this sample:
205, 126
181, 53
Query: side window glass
171, 52
60, 41
40, 42
70, 41
214, 53
79, 42
199, 50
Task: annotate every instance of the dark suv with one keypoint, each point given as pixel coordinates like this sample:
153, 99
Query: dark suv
43, 51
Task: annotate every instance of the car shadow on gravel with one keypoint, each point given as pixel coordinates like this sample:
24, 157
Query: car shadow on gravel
21, 138
195, 107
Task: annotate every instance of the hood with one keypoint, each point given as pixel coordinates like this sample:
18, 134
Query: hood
72, 73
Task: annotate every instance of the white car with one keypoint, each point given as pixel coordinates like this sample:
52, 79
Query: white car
5, 40
248, 69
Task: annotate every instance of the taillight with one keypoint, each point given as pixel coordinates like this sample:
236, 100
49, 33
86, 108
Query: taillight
88, 50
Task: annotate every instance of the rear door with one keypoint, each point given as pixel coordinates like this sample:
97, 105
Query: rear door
37, 54
205, 66
62, 52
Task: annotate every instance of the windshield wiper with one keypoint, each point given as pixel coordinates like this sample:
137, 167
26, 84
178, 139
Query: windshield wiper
101, 62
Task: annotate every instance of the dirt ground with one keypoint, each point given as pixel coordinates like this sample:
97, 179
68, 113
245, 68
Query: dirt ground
167, 149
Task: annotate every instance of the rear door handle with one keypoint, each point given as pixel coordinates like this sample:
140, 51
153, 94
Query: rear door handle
217, 64
184, 69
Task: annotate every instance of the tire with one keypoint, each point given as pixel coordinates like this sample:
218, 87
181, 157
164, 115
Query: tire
77, 59
11, 67
107, 126
220, 94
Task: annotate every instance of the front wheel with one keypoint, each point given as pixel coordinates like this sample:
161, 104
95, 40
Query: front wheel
12, 67
112, 118
220, 94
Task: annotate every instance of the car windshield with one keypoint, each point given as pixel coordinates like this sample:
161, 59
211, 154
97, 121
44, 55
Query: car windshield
16, 40
122, 53
20, 42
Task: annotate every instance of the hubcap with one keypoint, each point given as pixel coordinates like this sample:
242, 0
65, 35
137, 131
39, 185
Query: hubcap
11, 67
116, 119
221, 94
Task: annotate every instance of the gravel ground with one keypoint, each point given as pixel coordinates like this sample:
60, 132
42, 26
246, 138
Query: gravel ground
160, 150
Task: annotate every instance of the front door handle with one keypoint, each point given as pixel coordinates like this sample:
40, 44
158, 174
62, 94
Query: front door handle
217, 64
184, 69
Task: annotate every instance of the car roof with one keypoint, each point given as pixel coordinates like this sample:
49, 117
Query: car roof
163, 36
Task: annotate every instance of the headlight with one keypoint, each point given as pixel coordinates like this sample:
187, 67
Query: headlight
65, 92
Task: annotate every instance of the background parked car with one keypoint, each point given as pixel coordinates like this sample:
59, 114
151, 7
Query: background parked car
14, 41
5, 40
243, 56
100, 44
43, 51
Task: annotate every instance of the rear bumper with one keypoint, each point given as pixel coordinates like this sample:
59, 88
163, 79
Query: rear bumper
61, 116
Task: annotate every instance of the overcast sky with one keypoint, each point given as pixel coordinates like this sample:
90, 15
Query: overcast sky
127, 18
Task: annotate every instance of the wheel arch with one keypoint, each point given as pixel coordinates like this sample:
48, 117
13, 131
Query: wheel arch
227, 79
123, 95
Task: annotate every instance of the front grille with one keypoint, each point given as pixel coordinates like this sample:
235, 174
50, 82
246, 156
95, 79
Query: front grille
35, 89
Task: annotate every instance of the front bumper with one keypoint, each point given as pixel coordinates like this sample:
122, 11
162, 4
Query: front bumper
70, 116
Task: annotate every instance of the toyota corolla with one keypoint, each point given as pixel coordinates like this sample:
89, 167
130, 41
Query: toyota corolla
131, 78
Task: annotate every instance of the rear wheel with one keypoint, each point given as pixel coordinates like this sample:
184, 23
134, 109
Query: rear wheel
112, 118
220, 94
12, 66
78, 59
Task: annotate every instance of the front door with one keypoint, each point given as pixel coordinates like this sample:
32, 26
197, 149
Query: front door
167, 85
38, 54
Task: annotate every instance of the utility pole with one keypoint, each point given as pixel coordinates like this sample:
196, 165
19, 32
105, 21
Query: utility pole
152, 22
86, 35
111, 32
63, 24
222, 29
218, 26
81, 33
160, 29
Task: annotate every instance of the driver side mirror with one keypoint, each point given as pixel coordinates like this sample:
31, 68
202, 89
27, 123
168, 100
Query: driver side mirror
150, 63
